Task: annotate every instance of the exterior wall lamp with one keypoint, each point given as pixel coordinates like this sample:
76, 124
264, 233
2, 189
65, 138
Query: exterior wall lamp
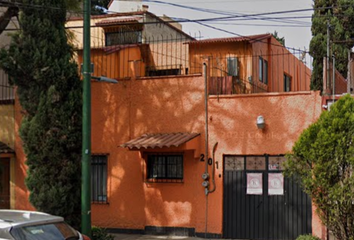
260, 122
104, 79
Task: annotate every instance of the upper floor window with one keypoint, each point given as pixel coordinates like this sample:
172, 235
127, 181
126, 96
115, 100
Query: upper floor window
99, 178
287, 83
123, 37
263, 70
165, 166
232, 66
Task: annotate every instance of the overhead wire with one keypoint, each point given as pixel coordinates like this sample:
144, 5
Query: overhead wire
215, 19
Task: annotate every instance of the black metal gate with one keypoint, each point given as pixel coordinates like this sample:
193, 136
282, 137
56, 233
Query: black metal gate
264, 212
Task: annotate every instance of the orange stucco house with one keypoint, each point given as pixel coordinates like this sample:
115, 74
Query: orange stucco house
192, 138
249, 64
155, 137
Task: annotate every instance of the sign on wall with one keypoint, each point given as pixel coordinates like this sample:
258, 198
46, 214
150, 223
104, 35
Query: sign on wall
254, 183
275, 184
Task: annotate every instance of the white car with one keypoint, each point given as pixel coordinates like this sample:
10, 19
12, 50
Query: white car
30, 225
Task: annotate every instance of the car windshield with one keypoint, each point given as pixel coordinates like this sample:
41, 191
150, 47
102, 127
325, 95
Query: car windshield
53, 231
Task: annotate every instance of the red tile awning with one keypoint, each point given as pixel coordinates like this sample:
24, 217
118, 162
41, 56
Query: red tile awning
160, 140
250, 39
118, 20
5, 149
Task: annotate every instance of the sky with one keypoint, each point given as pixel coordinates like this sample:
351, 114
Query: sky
296, 28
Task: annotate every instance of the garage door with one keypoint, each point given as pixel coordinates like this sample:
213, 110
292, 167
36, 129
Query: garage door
259, 203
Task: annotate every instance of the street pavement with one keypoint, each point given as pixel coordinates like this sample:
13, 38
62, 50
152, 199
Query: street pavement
151, 237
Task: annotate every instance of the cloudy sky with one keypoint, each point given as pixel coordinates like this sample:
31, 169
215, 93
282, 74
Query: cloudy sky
293, 23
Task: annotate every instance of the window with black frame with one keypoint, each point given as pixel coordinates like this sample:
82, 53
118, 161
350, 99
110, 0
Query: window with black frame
165, 167
263, 70
99, 178
287, 83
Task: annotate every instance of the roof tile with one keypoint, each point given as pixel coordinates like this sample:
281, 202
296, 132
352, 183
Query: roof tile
5, 149
232, 39
160, 140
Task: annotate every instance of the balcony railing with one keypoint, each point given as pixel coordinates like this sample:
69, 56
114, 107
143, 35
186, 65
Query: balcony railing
232, 85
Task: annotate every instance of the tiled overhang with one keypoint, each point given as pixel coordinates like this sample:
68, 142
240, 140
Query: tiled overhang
4, 148
159, 140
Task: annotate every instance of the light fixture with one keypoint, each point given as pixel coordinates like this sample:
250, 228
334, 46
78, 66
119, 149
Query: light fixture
260, 122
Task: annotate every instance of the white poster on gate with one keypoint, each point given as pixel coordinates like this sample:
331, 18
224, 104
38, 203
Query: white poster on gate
275, 184
254, 183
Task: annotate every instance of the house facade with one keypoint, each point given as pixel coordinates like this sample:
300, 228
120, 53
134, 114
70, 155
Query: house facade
151, 145
250, 64
7, 129
172, 151
138, 42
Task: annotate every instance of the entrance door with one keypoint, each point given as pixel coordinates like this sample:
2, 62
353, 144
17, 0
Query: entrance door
4, 183
268, 207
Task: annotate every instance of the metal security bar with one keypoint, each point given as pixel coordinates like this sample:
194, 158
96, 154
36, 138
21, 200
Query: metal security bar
99, 179
7, 95
165, 167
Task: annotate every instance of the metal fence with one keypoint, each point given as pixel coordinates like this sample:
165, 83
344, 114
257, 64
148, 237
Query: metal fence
7, 95
236, 72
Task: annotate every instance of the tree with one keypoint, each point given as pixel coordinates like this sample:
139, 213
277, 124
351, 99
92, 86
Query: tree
323, 161
339, 14
281, 40
39, 61
12, 8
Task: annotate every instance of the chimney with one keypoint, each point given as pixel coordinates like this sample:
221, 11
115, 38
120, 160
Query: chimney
145, 8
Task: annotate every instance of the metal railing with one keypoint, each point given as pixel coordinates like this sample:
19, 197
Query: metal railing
7, 95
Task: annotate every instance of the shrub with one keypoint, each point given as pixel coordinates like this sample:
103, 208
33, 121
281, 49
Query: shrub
307, 237
323, 159
100, 234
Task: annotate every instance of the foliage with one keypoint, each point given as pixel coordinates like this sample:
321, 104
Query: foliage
97, 6
340, 16
13, 7
100, 234
323, 158
39, 62
281, 40
307, 237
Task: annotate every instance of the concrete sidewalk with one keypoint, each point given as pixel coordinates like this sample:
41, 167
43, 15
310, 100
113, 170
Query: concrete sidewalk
121, 236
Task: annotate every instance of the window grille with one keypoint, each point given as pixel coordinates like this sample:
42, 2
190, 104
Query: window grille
165, 167
99, 178
123, 37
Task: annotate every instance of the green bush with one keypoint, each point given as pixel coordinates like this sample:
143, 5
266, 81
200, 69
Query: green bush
307, 237
100, 234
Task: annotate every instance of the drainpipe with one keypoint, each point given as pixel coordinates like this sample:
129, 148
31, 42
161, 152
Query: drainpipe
213, 170
206, 175
206, 122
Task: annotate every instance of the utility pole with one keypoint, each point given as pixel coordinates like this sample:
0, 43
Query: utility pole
349, 77
334, 78
328, 72
86, 126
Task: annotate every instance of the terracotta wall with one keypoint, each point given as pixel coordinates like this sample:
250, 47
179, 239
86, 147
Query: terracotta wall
129, 109
21, 191
280, 62
7, 123
123, 111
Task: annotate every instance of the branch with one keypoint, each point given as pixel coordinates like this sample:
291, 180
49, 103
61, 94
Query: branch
5, 18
